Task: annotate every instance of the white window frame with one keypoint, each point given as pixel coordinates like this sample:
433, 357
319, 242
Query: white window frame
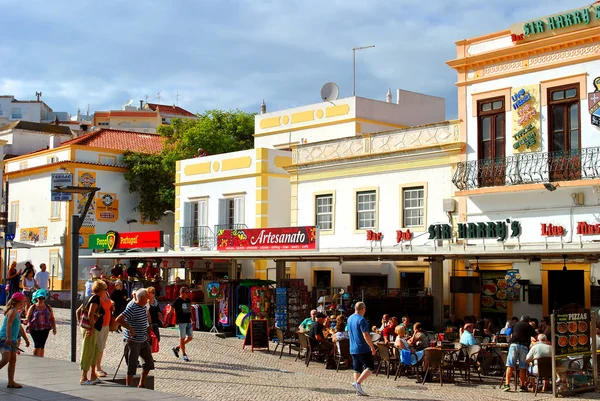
330, 196
54, 260
14, 212
16, 115
235, 203
55, 210
108, 160
359, 201
415, 186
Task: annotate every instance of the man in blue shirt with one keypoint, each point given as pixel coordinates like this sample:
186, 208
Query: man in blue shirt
467, 337
361, 347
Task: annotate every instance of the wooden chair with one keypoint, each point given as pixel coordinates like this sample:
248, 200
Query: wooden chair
473, 352
303, 346
435, 361
386, 358
283, 342
544, 371
342, 353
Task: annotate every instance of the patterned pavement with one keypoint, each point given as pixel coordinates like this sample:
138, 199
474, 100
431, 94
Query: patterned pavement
221, 370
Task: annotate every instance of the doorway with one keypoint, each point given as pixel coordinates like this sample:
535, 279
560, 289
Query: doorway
322, 278
411, 283
565, 287
363, 282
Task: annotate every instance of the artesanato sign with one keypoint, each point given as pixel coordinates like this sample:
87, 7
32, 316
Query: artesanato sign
557, 23
283, 238
115, 240
500, 230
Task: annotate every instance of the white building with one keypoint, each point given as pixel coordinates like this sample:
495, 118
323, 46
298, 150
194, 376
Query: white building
25, 137
92, 160
528, 105
12, 109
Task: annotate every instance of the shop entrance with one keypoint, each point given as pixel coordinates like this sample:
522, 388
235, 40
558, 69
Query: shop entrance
359, 282
565, 287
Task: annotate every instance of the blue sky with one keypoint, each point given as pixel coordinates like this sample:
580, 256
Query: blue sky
232, 54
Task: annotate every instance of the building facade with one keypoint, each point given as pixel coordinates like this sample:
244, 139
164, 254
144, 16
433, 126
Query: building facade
529, 100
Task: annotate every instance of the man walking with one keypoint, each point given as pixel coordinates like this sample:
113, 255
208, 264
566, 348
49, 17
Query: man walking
361, 347
520, 340
135, 321
184, 319
42, 277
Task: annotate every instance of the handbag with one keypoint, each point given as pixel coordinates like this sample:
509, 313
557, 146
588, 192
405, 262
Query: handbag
155, 344
113, 326
84, 319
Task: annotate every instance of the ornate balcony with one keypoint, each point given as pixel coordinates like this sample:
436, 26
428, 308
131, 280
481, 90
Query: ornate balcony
196, 237
529, 168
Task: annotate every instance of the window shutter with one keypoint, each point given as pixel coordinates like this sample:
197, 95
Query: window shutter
222, 211
202, 215
187, 214
238, 206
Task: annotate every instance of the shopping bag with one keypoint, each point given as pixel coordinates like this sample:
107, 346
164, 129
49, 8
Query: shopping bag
155, 344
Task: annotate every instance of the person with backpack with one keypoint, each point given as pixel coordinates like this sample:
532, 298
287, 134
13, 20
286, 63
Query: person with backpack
40, 318
88, 316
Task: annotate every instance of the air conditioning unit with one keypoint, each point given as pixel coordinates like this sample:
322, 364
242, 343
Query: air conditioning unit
449, 205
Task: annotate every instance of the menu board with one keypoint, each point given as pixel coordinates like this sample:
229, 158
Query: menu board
572, 327
257, 335
513, 288
493, 292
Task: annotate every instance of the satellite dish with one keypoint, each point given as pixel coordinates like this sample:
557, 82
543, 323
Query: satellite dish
129, 103
330, 91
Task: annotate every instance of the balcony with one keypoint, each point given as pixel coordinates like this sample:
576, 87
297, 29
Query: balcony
528, 168
238, 226
196, 237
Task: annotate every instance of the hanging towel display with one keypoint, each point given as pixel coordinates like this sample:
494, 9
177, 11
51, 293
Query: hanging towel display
206, 316
224, 305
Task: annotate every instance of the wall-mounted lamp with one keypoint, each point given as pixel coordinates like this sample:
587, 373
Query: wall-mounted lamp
477, 264
182, 263
550, 187
131, 221
564, 263
523, 283
166, 212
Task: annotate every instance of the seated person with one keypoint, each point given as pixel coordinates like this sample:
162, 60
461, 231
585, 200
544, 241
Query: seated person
419, 339
408, 356
401, 342
384, 322
317, 340
539, 350
467, 337
407, 325
340, 329
388, 331
308, 322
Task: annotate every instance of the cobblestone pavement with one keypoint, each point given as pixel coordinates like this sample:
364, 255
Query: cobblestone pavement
221, 370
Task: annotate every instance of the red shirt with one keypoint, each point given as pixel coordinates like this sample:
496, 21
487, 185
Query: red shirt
388, 331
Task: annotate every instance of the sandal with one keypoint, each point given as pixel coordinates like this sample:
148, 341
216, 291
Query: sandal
101, 373
14, 385
96, 381
86, 383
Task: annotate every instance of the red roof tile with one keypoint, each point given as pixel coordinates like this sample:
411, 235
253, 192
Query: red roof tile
166, 110
136, 113
120, 140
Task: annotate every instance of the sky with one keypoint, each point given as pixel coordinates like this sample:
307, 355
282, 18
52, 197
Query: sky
227, 54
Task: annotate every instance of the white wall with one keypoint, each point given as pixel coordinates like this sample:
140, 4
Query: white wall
21, 142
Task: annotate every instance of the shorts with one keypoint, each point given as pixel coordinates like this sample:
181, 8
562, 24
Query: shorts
517, 351
6, 348
102, 337
363, 361
133, 351
39, 338
185, 330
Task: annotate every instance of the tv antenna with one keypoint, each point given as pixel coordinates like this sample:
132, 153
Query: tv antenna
158, 96
177, 99
329, 92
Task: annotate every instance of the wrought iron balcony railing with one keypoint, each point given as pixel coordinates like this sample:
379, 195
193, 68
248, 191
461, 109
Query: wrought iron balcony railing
197, 237
529, 168
238, 226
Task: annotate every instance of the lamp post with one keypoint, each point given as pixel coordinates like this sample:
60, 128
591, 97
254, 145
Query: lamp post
354, 66
76, 223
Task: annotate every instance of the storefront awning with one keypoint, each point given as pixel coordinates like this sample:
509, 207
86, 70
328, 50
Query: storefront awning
366, 268
16, 244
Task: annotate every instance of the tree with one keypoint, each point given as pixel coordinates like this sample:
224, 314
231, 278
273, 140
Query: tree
152, 176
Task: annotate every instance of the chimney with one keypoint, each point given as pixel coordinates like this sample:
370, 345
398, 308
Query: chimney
398, 96
52, 142
78, 114
141, 105
388, 97
263, 107
38, 95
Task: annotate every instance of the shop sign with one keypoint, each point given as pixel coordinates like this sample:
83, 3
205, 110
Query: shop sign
115, 240
584, 228
34, 234
403, 236
501, 230
107, 207
526, 118
549, 230
594, 103
274, 239
572, 327
60, 180
373, 236
564, 22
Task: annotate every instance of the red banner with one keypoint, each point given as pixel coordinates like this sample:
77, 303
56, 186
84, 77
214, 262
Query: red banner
272, 239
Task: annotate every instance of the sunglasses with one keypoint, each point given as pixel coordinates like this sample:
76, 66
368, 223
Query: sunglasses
42, 298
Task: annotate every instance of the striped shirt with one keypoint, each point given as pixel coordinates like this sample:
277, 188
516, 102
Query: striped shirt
137, 317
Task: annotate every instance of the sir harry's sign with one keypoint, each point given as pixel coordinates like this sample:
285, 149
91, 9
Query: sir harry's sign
269, 239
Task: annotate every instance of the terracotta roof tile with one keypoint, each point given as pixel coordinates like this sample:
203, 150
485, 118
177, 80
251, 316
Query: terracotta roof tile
120, 140
166, 110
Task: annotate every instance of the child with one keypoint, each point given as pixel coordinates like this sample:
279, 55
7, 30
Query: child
9, 334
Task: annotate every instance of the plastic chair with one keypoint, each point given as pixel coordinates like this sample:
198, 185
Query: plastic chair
283, 342
302, 346
544, 371
435, 361
342, 353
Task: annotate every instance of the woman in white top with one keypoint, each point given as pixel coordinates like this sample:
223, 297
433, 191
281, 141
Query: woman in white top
28, 284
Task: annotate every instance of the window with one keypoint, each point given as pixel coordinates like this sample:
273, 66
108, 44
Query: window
324, 211
54, 265
490, 119
103, 124
52, 159
231, 212
563, 118
200, 213
16, 113
14, 211
55, 210
366, 203
413, 211
108, 160
22, 165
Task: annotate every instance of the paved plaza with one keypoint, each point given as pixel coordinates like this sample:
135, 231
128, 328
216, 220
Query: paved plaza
221, 370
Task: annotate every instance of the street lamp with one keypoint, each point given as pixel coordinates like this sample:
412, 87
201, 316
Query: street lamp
354, 66
76, 223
